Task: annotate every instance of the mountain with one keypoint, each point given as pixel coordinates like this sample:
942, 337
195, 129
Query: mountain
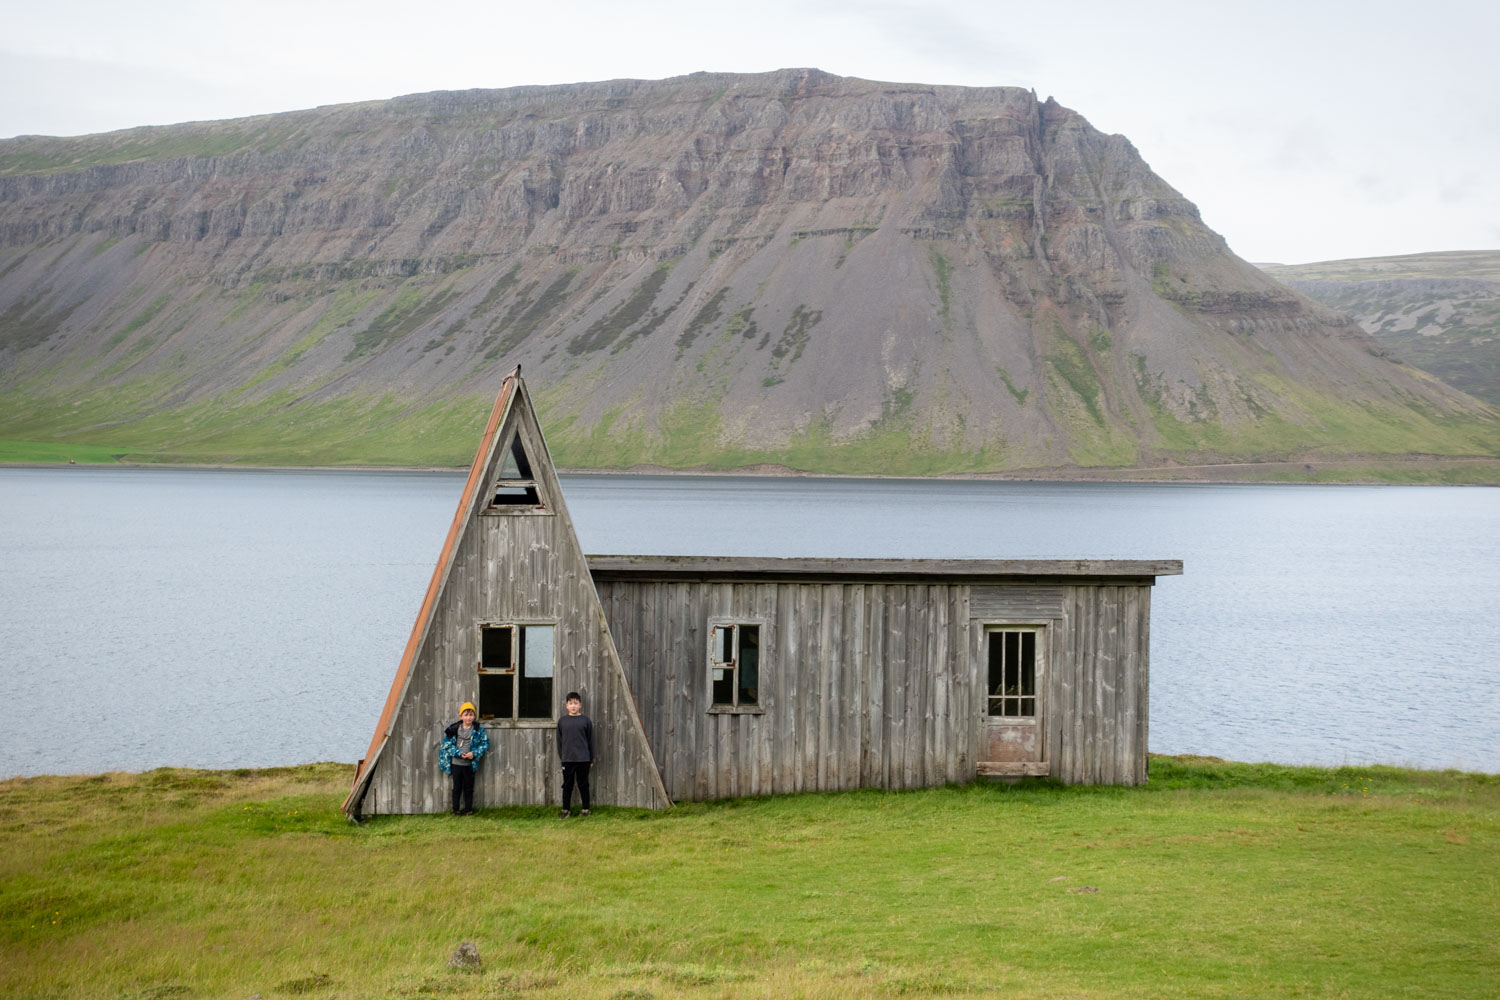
714, 271
1438, 311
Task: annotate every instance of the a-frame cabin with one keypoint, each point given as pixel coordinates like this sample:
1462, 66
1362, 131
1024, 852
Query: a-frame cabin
512, 623
759, 676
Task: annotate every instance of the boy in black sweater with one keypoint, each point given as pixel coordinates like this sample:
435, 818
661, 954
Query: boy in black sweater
575, 748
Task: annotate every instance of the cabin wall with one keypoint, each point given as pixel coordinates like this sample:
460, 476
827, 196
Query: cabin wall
858, 685
876, 684
1097, 686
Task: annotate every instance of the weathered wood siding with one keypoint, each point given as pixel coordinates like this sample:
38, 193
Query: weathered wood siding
521, 567
1096, 688
858, 685
876, 684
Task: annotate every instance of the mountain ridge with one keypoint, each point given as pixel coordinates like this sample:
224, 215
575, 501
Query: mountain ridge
713, 271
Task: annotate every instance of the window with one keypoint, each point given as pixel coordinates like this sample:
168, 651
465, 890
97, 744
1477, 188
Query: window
516, 487
515, 672
734, 664
1012, 672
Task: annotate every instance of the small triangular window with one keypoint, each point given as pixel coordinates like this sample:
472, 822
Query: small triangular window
516, 487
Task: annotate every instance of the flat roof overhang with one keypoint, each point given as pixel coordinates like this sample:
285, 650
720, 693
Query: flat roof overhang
757, 568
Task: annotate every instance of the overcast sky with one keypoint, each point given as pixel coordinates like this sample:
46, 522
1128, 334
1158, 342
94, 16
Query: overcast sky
1303, 130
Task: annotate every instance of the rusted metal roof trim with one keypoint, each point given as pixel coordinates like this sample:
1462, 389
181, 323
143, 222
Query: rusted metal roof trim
461, 517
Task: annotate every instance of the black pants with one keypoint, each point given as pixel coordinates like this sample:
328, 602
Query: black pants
575, 773
463, 785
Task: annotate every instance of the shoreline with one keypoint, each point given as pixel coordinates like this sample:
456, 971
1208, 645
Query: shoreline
1221, 473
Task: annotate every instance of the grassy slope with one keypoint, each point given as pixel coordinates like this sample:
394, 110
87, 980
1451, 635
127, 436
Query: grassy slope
1215, 880
1412, 305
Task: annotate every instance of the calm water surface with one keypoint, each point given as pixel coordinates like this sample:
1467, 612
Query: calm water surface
244, 618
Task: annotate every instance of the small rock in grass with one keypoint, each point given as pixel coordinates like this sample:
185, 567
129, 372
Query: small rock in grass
466, 957
1083, 888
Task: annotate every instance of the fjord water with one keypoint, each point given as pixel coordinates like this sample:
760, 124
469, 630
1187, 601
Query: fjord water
229, 618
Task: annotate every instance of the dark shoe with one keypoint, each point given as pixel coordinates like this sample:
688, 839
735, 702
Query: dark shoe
584, 813
468, 812
563, 814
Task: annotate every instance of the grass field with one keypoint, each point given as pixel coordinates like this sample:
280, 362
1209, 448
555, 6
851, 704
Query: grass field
1216, 880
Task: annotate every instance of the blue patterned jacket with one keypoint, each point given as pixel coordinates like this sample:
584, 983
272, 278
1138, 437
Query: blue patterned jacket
449, 749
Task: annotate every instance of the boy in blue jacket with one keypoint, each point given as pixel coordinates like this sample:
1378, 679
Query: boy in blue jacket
463, 744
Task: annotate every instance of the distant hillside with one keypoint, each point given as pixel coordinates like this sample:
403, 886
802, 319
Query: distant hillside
715, 271
1438, 311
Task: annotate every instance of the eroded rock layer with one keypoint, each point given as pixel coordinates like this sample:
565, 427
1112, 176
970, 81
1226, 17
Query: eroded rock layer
715, 270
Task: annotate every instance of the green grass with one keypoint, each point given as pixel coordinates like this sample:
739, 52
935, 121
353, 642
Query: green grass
1215, 880
1019, 395
690, 439
53, 451
349, 430
942, 269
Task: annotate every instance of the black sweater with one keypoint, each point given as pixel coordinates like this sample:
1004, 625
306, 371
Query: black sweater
575, 739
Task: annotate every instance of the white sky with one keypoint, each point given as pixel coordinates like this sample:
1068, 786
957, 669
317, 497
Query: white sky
1304, 131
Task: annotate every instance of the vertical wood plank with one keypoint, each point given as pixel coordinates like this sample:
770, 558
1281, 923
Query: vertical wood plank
939, 725
876, 774
812, 672
856, 704
1127, 702
1143, 691
829, 624
784, 752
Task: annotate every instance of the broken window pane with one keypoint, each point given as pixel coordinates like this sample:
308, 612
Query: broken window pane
749, 665
996, 683
495, 691
734, 665
515, 465
515, 487
536, 698
515, 496
723, 687
495, 648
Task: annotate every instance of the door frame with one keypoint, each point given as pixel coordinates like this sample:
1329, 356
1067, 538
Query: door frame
983, 629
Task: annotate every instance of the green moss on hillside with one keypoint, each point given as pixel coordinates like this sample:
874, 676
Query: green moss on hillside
412, 309
605, 330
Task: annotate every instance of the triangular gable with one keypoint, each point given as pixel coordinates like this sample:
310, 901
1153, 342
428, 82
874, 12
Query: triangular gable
512, 474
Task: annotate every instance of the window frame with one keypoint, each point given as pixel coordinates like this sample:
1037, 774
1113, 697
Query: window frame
515, 721
528, 480
715, 623
1039, 667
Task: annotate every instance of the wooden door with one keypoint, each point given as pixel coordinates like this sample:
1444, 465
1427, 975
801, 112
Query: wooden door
1013, 661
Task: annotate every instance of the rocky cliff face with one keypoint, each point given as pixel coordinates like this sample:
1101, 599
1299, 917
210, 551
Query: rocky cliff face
715, 270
